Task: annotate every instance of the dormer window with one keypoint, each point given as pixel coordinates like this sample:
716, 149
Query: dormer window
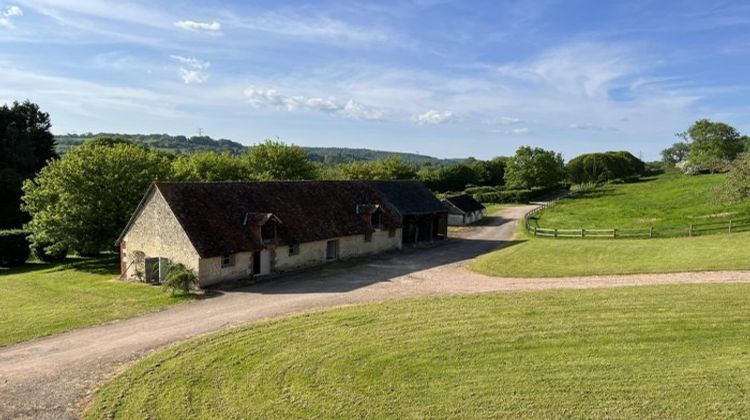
376, 219
263, 224
268, 232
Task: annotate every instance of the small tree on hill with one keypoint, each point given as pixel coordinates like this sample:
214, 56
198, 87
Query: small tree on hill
713, 145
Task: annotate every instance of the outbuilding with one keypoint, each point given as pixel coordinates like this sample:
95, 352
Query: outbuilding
463, 210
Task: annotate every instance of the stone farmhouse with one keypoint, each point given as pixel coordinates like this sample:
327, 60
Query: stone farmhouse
463, 210
235, 230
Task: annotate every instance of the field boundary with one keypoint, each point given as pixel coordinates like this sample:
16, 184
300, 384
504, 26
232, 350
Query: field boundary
649, 232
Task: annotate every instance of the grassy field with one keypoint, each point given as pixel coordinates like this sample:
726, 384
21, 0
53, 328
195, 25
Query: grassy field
42, 299
652, 352
667, 200
545, 257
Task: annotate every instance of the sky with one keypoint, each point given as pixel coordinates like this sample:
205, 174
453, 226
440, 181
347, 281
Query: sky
442, 78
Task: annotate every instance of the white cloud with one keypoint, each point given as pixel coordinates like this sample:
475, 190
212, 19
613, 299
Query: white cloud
259, 97
584, 69
6, 17
192, 69
520, 130
592, 127
305, 26
506, 121
433, 117
212, 28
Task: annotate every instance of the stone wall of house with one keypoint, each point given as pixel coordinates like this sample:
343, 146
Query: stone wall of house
314, 253
156, 233
211, 270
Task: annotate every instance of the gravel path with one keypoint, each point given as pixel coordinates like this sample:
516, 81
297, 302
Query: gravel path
54, 377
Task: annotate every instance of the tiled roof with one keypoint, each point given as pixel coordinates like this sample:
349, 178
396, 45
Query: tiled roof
213, 213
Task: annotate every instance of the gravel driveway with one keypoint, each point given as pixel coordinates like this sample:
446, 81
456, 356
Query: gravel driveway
54, 377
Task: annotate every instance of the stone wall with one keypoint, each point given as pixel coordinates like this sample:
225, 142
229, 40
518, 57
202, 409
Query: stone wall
314, 253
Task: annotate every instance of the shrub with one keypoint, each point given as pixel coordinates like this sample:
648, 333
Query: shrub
179, 279
48, 252
603, 167
14, 247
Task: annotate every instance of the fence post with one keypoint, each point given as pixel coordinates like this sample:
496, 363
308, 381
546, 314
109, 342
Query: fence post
555, 232
583, 233
690, 230
614, 233
651, 232
730, 225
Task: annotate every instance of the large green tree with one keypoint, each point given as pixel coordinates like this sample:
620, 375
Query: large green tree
534, 167
83, 200
26, 144
274, 160
713, 145
210, 166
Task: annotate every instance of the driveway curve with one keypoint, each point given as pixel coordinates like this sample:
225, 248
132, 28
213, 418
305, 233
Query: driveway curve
54, 377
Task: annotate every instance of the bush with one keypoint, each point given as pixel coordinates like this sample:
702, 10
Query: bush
603, 167
48, 252
14, 247
179, 279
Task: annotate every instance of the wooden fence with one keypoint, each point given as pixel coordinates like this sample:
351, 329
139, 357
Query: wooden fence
696, 229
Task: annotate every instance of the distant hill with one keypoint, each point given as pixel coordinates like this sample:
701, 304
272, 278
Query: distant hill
186, 145
164, 142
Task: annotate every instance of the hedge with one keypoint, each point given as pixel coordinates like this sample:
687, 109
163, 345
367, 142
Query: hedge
14, 247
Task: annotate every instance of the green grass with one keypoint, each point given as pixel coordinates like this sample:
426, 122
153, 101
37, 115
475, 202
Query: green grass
43, 299
671, 199
546, 257
641, 352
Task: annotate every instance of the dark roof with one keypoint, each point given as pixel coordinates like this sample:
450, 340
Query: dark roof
213, 213
409, 197
465, 203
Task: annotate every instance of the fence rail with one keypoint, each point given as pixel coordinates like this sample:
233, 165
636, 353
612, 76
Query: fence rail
695, 229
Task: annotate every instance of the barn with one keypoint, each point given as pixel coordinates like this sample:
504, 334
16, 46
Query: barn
235, 230
423, 217
463, 210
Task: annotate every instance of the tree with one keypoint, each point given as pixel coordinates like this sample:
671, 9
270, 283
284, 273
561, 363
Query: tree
210, 166
676, 153
274, 160
448, 178
83, 200
490, 172
713, 144
736, 187
602, 167
534, 167
390, 168
26, 144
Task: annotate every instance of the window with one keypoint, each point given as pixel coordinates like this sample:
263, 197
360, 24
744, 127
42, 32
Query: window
227, 261
391, 233
293, 249
368, 236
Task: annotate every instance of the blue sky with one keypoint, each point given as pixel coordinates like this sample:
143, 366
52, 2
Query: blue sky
444, 78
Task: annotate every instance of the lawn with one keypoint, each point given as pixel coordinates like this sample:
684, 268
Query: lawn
671, 199
43, 299
546, 257
640, 352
